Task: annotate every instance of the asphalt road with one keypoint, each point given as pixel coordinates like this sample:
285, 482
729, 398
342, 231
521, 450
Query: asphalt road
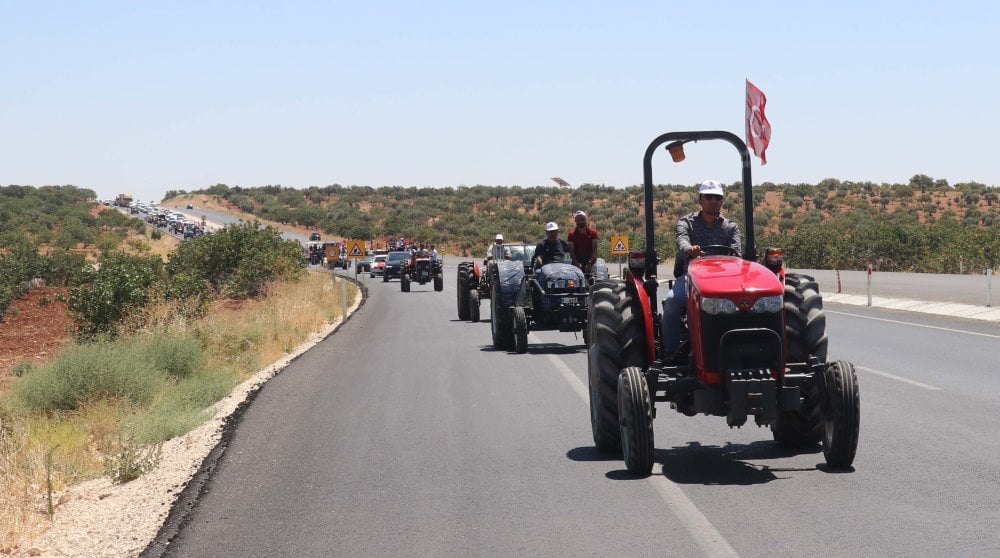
406, 434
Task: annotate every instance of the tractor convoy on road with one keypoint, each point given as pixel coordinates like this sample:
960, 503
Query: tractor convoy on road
753, 337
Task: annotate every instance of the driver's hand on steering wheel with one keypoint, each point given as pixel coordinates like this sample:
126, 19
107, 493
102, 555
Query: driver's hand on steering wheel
695, 251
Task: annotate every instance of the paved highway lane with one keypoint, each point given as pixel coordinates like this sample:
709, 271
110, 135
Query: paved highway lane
406, 434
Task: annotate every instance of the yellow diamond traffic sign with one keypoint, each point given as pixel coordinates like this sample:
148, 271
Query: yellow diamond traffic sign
619, 244
355, 248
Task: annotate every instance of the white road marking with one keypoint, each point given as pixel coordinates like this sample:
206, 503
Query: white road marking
915, 325
707, 537
898, 378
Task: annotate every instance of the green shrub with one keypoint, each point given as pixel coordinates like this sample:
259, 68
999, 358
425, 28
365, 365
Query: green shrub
89, 372
132, 460
239, 260
6, 297
17, 267
65, 268
22, 368
184, 406
123, 284
175, 357
156, 234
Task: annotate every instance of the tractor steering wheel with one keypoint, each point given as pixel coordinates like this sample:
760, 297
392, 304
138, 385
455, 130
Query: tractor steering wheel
718, 250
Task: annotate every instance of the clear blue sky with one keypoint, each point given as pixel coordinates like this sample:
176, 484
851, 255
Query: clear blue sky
151, 96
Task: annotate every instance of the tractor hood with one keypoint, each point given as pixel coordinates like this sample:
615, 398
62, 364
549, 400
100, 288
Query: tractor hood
730, 276
562, 271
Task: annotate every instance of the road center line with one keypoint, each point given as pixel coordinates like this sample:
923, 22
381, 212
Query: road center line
913, 324
708, 538
898, 378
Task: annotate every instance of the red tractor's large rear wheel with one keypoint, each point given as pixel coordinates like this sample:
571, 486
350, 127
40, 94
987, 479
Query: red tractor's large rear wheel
618, 341
805, 332
464, 284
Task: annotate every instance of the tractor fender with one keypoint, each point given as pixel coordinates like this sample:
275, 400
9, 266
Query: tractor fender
601, 270
635, 285
510, 275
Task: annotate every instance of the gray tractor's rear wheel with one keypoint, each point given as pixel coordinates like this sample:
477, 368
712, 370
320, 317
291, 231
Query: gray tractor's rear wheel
842, 417
805, 332
520, 331
618, 341
474, 305
464, 272
635, 420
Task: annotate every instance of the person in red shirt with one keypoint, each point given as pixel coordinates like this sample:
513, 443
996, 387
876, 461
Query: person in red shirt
583, 243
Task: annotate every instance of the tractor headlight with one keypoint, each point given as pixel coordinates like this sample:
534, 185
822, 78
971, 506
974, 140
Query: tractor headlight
768, 304
716, 306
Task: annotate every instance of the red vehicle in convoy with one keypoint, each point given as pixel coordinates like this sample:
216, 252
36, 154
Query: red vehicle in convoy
756, 345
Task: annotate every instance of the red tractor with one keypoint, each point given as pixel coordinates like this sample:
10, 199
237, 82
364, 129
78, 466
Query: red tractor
474, 282
756, 345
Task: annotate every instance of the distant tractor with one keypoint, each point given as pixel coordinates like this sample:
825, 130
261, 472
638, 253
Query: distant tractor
420, 269
474, 281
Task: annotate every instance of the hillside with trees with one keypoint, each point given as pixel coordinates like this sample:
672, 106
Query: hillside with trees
925, 225
109, 348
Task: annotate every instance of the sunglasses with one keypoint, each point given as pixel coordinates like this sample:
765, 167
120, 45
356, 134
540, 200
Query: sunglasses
712, 197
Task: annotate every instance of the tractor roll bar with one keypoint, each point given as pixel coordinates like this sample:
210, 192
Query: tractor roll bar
749, 246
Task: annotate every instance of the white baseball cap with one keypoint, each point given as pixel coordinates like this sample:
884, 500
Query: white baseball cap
711, 187
499, 236
551, 226
579, 214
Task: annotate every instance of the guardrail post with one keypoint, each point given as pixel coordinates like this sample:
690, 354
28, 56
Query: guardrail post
989, 287
343, 297
869, 284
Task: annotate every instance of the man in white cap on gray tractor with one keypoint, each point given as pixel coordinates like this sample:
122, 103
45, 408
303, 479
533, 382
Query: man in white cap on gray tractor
553, 248
702, 228
497, 251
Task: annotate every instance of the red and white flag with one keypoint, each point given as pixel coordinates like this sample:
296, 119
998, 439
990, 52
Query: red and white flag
758, 128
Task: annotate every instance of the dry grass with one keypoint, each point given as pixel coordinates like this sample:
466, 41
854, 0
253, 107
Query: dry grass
238, 336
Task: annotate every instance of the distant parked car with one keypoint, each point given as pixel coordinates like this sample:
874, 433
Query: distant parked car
189, 206
314, 237
378, 265
365, 264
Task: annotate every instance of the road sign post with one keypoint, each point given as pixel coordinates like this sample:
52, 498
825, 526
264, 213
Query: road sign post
619, 247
